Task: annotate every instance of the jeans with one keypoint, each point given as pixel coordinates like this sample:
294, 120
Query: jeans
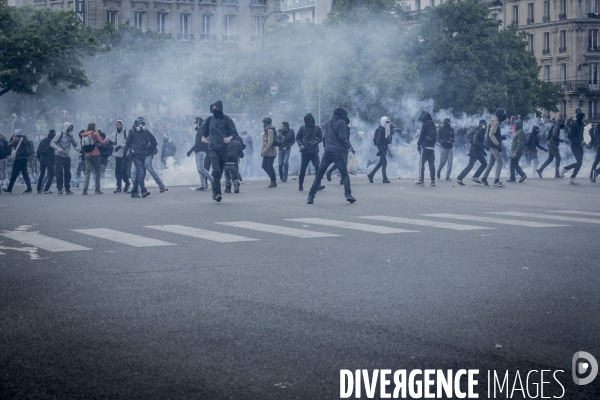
46, 164
267, 166
92, 163
594, 165
150, 169
202, 171
553, 153
19, 166
80, 169
121, 171
284, 163
248, 162
340, 163
307, 158
138, 180
62, 172
446, 155
231, 174
217, 161
381, 164
495, 158
577, 150
427, 155
514, 167
469, 167
103, 165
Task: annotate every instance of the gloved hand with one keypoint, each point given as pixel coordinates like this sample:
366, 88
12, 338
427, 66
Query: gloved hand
189, 153
418, 149
302, 148
504, 137
118, 148
546, 150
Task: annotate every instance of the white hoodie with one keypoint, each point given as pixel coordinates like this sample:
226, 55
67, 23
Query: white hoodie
62, 142
386, 125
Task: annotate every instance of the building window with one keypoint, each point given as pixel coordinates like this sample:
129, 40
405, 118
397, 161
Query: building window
546, 11
593, 109
562, 10
515, 19
257, 23
563, 109
185, 27
563, 73
530, 18
593, 6
230, 28
530, 43
593, 40
112, 17
546, 49
207, 29
417, 5
546, 73
594, 74
207, 58
495, 17
140, 20
563, 42
162, 23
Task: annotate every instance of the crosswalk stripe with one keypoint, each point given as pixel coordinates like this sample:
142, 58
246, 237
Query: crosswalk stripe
350, 225
280, 230
42, 241
545, 216
202, 233
516, 222
123, 237
589, 213
424, 222
2, 254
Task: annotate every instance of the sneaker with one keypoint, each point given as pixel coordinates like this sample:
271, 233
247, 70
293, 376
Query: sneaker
595, 175
328, 176
201, 188
539, 172
163, 189
573, 182
341, 182
476, 180
311, 199
485, 182
420, 183
145, 194
321, 187
370, 178
227, 190
523, 178
39, 192
60, 192
236, 188
511, 180
448, 178
76, 186
118, 190
438, 173
460, 182
562, 172
126, 190
129, 192
350, 199
98, 192
272, 184
498, 184
28, 191
83, 193
7, 191
432, 183
135, 195
69, 192
218, 197
386, 181
47, 192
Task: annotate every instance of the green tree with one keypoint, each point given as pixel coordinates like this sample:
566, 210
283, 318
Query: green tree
468, 64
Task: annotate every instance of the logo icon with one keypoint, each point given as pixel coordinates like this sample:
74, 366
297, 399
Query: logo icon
582, 363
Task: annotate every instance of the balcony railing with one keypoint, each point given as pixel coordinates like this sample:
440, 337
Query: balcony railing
546, 51
530, 20
546, 18
562, 16
230, 1
562, 49
231, 38
593, 115
593, 49
289, 4
185, 36
579, 86
258, 2
208, 1
208, 37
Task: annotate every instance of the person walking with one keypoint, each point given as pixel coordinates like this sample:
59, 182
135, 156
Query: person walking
532, 144
288, 138
62, 148
45, 154
90, 140
137, 143
476, 153
200, 149
4, 153
445, 138
151, 151
554, 142
493, 141
269, 150
517, 149
382, 138
23, 148
426, 148
122, 162
308, 138
248, 163
232, 174
577, 145
595, 142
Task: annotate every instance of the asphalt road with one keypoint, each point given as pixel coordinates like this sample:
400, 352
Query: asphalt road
277, 317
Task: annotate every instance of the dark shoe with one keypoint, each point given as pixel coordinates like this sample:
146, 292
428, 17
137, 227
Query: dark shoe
145, 194
511, 180
432, 183
539, 172
201, 188
47, 192
227, 190
311, 199
350, 199
594, 175
7, 191
370, 178
218, 197
498, 184
126, 190
60, 192
98, 192
460, 182
300, 188
321, 187
28, 191
163, 189
39, 192
522, 178
118, 190
386, 181
135, 195
420, 183
328, 176
69, 192
485, 182
236, 188
438, 174
272, 184
448, 178
83, 193
476, 180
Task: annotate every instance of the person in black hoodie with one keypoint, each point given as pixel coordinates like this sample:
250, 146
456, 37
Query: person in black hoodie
476, 153
445, 138
137, 144
285, 148
382, 138
553, 142
45, 153
336, 145
232, 171
532, 144
218, 130
24, 148
426, 147
595, 142
308, 138
577, 144
493, 141
201, 150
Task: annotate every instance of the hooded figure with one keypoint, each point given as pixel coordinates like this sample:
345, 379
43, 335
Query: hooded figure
308, 138
445, 138
382, 138
577, 144
425, 146
62, 145
494, 142
476, 153
532, 144
269, 150
23, 150
554, 153
517, 149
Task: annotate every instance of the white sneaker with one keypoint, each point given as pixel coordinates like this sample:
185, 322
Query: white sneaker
562, 172
573, 182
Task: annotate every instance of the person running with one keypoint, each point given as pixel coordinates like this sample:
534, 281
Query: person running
382, 138
269, 150
476, 153
151, 151
201, 150
336, 146
285, 148
517, 149
23, 148
426, 147
232, 171
90, 140
308, 138
137, 144
445, 138
62, 148
493, 141
554, 152
532, 144
577, 145
45, 153
122, 162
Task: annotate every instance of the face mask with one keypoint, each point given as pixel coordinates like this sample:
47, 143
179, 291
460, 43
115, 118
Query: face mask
139, 127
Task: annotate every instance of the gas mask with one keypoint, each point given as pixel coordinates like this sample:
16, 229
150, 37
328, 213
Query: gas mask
140, 127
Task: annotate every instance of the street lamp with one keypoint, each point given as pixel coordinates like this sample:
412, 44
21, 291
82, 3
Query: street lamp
281, 19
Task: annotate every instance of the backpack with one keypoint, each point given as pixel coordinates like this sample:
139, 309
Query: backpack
375, 137
277, 137
87, 143
471, 135
4, 151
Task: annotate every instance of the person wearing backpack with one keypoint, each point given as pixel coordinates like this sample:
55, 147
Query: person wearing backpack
287, 139
308, 138
577, 145
138, 143
517, 149
168, 149
493, 141
426, 147
382, 138
476, 153
554, 152
151, 151
232, 171
269, 150
45, 153
62, 147
4, 153
532, 144
445, 137
22, 148
90, 140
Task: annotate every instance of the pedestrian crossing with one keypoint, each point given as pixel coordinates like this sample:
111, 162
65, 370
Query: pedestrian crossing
588, 213
308, 231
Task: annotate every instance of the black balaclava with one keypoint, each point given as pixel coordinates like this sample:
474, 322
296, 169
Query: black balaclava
309, 120
217, 109
535, 130
580, 117
483, 123
446, 121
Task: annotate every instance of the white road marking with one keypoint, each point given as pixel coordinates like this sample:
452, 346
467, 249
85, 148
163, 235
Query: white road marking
202, 233
350, 225
2, 254
123, 237
43, 242
588, 213
424, 222
280, 230
503, 221
554, 217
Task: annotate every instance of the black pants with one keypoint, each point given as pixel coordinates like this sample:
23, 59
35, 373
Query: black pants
334, 167
469, 167
232, 175
267, 166
312, 157
381, 164
553, 153
577, 150
529, 157
217, 160
46, 164
596, 161
339, 162
427, 155
63, 172
19, 166
515, 167
121, 167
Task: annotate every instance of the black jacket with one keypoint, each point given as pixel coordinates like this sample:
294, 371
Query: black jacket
235, 152
477, 149
309, 135
428, 135
532, 142
44, 150
554, 140
445, 136
23, 148
576, 133
380, 140
138, 143
336, 133
199, 145
289, 138
4, 152
217, 128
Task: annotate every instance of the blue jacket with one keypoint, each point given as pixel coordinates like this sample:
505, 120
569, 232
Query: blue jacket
336, 134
